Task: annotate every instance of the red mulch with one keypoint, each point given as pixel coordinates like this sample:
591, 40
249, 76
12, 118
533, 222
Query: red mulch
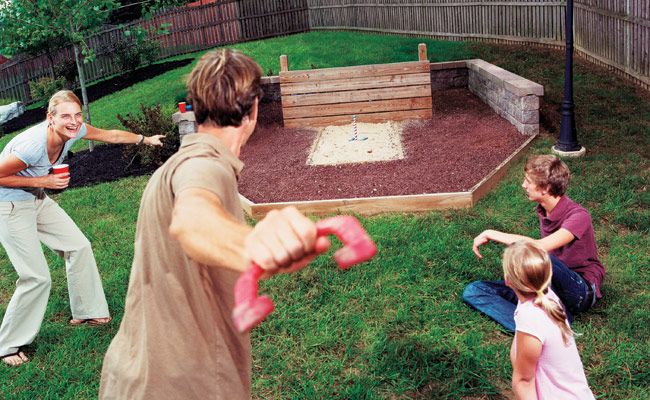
463, 142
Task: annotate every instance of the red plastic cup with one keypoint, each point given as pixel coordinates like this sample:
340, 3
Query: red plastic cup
61, 169
182, 106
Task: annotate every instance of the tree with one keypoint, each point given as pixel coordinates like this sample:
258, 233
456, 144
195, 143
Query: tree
26, 24
47, 45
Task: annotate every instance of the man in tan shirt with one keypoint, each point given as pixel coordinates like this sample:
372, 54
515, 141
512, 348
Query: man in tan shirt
177, 339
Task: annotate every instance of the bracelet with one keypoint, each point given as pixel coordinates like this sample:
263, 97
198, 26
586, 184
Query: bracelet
141, 140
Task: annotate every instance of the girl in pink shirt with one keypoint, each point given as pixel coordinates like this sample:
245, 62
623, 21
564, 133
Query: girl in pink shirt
544, 356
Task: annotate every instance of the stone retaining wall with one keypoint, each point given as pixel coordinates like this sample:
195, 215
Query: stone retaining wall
448, 75
271, 87
512, 97
509, 95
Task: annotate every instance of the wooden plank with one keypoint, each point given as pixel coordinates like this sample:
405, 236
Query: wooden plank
356, 95
422, 52
492, 180
355, 83
410, 67
369, 118
366, 205
284, 63
358, 107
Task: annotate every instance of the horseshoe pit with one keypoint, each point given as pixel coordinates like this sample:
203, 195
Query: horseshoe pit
386, 138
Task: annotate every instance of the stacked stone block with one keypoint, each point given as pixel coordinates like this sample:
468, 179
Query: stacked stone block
448, 75
509, 95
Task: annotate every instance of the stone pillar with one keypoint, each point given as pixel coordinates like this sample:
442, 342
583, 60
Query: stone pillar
186, 123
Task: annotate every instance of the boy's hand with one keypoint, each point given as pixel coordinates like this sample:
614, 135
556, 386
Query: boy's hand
480, 240
284, 241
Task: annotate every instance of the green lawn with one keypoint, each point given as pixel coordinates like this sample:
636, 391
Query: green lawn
394, 328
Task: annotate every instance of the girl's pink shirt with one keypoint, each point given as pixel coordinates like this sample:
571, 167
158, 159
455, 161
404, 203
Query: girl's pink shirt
559, 373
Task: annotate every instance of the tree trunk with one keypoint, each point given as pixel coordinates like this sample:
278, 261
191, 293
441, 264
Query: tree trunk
84, 95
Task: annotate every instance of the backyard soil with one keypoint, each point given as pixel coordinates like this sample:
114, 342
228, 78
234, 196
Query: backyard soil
453, 151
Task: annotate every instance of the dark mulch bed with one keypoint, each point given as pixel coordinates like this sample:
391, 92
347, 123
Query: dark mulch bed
461, 144
104, 164
96, 91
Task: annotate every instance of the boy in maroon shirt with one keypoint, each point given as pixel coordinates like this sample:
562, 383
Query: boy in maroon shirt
567, 233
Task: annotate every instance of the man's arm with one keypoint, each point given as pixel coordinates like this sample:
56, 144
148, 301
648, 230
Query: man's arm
207, 233
556, 240
529, 348
11, 165
118, 136
284, 239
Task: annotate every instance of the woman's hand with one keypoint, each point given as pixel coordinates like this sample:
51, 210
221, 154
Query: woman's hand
153, 140
55, 181
119, 136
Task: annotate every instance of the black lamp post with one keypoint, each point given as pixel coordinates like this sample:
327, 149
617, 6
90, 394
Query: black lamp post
568, 142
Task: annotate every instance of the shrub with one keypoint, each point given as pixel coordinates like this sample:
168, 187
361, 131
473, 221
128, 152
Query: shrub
126, 55
136, 49
45, 87
152, 121
68, 71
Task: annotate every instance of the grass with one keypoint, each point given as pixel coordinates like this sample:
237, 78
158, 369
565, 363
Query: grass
394, 328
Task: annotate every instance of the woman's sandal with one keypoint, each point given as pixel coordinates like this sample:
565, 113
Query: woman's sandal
90, 321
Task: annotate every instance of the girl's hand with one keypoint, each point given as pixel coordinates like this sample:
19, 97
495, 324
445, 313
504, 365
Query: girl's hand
153, 140
56, 181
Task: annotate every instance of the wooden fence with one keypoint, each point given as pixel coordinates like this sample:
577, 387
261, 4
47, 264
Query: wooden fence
524, 20
192, 28
615, 33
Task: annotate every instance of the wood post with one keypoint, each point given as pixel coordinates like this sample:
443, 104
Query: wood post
284, 63
422, 52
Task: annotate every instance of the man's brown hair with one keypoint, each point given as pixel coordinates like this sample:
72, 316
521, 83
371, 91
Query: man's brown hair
548, 172
223, 86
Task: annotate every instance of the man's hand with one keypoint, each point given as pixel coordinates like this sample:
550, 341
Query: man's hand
480, 240
284, 241
153, 140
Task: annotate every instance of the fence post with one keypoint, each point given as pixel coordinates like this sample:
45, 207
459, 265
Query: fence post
627, 61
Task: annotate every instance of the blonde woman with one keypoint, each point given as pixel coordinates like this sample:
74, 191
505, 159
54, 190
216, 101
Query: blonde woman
29, 217
544, 356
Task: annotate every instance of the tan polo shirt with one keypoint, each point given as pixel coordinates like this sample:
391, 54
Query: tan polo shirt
177, 340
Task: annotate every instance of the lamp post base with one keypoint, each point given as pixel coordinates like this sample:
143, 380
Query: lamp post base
573, 154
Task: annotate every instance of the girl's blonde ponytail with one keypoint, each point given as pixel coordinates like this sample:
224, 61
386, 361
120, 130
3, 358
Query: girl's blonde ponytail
527, 268
556, 311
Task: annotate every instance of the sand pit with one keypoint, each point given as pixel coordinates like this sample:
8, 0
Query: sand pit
336, 145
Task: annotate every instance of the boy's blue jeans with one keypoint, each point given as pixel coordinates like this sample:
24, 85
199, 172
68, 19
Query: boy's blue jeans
497, 301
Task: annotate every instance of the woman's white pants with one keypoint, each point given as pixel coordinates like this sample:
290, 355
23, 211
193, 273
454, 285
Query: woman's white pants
23, 226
